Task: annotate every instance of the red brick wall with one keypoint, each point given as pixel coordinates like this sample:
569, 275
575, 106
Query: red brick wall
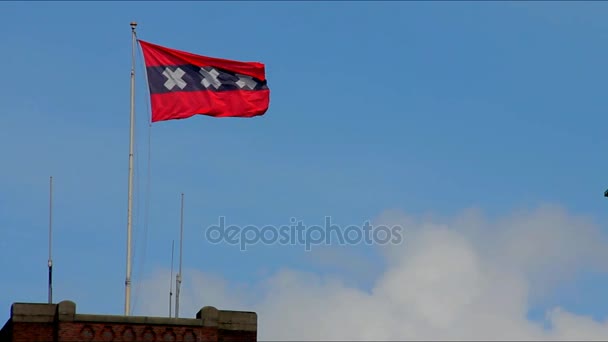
82, 332
32, 332
236, 336
38, 322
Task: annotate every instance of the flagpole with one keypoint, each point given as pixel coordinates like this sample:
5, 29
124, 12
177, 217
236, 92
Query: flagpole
178, 279
171, 280
130, 195
50, 263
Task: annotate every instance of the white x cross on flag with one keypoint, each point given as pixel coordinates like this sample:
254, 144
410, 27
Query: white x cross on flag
174, 78
210, 78
245, 80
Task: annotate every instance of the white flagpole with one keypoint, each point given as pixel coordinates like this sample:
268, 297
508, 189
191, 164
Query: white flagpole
130, 196
178, 279
171, 281
50, 263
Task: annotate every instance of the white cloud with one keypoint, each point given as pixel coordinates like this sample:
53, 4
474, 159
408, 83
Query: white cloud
457, 279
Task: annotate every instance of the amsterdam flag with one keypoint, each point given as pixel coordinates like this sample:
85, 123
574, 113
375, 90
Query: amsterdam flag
183, 84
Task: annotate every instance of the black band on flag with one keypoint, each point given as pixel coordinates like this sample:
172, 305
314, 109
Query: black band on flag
186, 78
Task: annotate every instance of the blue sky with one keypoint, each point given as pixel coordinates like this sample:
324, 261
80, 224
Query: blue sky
428, 108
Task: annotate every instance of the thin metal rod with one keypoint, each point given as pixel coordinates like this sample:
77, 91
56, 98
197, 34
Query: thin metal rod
178, 280
171, 280
130, 195
50, 261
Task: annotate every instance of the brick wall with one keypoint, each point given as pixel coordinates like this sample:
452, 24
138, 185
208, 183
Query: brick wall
79, 332
59, 322
32, 332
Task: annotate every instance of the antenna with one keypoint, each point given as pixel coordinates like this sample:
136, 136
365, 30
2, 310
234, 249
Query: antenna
171, 280
178, 280
50, 261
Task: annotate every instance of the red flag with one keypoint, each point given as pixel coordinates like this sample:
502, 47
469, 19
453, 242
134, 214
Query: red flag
183, 84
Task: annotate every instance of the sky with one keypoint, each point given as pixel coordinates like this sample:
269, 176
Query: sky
477, 127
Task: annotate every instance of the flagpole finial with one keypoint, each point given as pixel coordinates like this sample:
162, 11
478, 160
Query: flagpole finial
133, 25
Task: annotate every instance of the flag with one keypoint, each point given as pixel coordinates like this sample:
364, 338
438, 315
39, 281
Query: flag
183, 84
